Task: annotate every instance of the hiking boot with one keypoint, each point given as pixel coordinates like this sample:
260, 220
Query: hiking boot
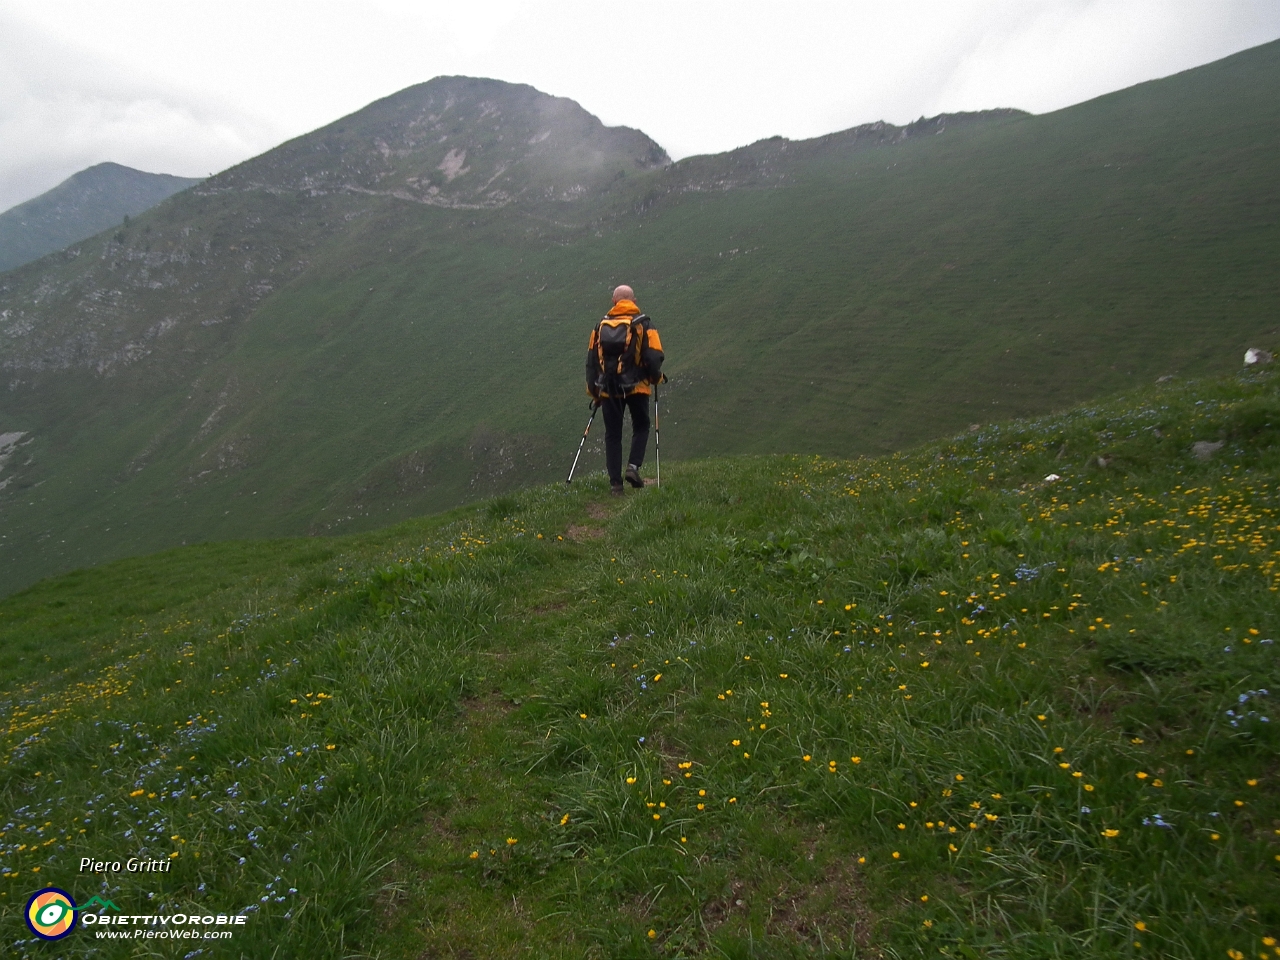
616, 489
633, 476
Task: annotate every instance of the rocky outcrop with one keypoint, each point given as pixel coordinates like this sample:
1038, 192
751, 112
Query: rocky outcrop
456, 142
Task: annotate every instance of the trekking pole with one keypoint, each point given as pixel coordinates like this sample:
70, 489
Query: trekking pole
657, 433
594, 407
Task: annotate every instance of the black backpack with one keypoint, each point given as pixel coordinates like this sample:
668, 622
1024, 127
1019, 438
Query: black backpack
620, 351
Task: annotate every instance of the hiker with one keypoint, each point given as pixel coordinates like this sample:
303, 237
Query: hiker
624, 356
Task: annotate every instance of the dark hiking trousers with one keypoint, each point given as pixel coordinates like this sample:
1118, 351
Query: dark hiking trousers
612, 407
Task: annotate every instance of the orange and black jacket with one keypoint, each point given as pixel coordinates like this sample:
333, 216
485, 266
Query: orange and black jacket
637, 367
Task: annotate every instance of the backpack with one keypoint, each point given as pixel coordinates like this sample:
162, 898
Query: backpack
620, 343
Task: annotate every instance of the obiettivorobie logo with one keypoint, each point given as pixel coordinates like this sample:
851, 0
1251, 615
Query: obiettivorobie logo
52, 914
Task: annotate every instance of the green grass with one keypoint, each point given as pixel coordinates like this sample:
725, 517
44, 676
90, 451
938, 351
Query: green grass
340, 361
488, 733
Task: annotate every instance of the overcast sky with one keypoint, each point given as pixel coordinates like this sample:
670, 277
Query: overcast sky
190, 86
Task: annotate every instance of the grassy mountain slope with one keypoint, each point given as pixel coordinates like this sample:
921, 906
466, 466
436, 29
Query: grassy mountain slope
782, 706
317, 341
86, 203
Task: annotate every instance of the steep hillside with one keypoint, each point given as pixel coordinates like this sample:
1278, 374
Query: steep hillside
212, 256
1010, 695
85, 203
387, 316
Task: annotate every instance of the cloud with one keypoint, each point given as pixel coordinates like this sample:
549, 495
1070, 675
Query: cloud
1043, 57
193, 87
64, 109
708, 76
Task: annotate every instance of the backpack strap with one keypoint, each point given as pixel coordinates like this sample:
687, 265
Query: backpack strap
599, 345
640, 330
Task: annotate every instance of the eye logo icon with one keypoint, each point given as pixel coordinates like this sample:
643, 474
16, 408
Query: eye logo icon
51, 913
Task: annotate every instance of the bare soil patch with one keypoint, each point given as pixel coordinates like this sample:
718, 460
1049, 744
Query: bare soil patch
834, 906
480, 709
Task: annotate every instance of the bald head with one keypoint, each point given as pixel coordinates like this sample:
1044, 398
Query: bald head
623, 292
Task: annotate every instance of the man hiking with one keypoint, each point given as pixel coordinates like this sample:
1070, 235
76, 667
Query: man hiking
624, 356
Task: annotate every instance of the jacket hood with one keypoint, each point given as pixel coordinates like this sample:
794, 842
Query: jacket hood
624, 308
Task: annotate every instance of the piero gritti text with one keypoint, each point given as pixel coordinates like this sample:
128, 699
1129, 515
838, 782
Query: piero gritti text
132, 865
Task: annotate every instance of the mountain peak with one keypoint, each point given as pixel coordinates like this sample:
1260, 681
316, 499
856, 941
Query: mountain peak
456, 142
84, 204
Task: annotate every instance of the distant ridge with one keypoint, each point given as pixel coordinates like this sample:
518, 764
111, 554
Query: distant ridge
85, 203
767, 162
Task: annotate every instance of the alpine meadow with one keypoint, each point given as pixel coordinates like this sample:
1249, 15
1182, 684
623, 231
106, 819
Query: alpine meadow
950, 630
388, 315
